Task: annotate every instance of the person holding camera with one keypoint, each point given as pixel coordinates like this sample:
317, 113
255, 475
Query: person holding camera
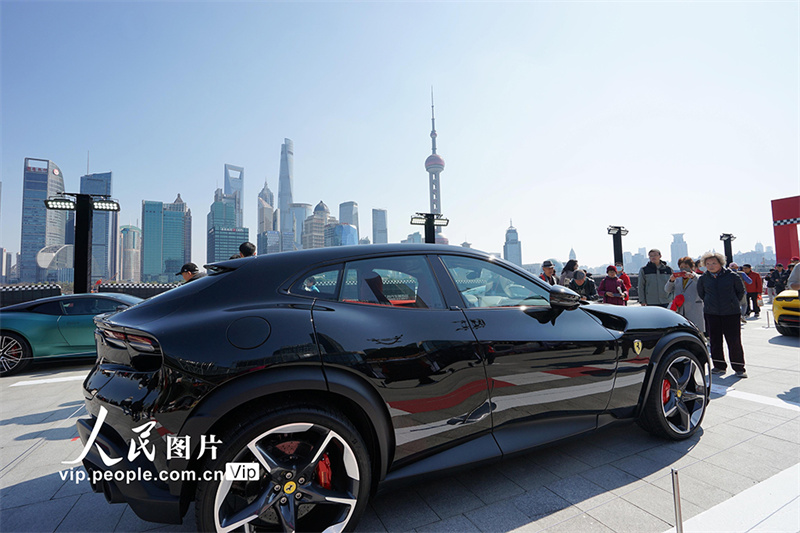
682, 286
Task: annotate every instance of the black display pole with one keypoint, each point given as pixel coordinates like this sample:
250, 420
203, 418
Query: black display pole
430, 230
84, 209
727, 239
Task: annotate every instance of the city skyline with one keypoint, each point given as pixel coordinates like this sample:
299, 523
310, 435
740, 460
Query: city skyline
689, 111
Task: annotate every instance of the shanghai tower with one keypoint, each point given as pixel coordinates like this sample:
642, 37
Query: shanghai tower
285, 180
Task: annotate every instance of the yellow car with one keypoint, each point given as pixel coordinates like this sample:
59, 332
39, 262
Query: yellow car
786, 310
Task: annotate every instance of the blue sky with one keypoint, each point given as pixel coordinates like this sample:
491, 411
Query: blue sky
565, 117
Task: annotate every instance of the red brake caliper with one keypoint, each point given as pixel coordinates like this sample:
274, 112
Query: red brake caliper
665, 388
324, 472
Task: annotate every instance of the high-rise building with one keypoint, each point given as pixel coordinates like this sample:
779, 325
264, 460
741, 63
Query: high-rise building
223, 236
5, 265
166, 239
41, 227
314, 227
104, 228
341, 235
266, 213
272, 242
380, 229
298, 214
130, 254
285, 184
413, 238
677, 249
434, 164
234, 188
512, 249
348, 214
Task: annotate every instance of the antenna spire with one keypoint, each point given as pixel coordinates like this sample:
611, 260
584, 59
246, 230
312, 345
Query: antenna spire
433, 125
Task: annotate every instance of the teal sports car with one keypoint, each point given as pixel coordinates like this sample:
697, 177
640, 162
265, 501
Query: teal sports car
60, 326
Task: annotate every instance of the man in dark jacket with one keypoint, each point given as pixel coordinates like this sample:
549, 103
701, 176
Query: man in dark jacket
652, 279
584, 286
190, 272
778, 278
721, 290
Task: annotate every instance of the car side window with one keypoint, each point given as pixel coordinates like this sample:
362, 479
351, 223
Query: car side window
486, 284
79, 306
402, 281
105, 305
322, 283
48, 308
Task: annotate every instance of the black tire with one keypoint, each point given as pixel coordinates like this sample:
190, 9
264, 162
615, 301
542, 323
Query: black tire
313, 472
15, 353
677, 401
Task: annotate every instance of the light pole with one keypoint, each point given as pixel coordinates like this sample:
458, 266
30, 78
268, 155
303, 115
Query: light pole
431, 221
727, 238
83, 205
617, 233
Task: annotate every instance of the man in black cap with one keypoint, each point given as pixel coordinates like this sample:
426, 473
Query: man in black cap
190, 272
549, 273
584, 286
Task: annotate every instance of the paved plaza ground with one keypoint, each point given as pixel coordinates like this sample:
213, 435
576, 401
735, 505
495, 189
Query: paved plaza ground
741, 472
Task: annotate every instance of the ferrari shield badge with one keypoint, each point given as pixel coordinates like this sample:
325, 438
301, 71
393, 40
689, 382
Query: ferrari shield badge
637, 346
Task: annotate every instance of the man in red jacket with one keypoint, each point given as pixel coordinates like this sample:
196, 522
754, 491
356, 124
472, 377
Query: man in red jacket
753, 290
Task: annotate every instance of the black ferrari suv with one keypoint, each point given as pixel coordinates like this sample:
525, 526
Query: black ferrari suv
279, 392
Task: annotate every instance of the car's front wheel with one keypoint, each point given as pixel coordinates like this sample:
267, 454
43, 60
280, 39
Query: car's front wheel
677, 401
313, 474
15, 353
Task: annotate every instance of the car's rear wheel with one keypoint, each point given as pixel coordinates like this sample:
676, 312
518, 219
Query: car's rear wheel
313, 474
678, 398
15, 353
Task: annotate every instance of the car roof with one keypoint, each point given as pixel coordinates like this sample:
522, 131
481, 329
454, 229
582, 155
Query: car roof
31, 303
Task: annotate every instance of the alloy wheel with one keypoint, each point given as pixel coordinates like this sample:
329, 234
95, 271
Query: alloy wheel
308, 480
683, 395
11, 353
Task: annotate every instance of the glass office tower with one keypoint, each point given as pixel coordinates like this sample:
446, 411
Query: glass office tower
41, 227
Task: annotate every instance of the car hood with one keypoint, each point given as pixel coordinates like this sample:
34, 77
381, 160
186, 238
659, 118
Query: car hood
636, 318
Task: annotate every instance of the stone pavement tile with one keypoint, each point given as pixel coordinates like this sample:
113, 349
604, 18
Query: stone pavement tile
698, 449
403, 510
705, 472
448, 497
91, 513
785, 519
489, 484
370, 523
638, 466
580, 492
704, 494
526, 473
611, 478
41, 516
765, 442
623, 516
781, 459
660, 503
592, 455
720, 415
582, 523
757, 422
788, 414
758, 467
626, 440
455, 524
789, 431
71, 488
33, 490
540, 502
561, 464
500, 516
554, 519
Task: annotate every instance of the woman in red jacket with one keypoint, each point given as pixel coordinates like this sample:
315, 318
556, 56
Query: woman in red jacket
612, 289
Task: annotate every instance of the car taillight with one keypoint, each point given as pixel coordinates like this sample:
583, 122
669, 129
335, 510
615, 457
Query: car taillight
142, 344
137, 342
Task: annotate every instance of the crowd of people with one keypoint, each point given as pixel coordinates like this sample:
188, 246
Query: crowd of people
714, 297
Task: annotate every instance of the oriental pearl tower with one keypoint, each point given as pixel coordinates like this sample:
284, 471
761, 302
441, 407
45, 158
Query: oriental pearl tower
434, 164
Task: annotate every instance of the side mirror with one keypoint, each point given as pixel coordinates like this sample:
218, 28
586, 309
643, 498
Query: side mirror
563, 298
